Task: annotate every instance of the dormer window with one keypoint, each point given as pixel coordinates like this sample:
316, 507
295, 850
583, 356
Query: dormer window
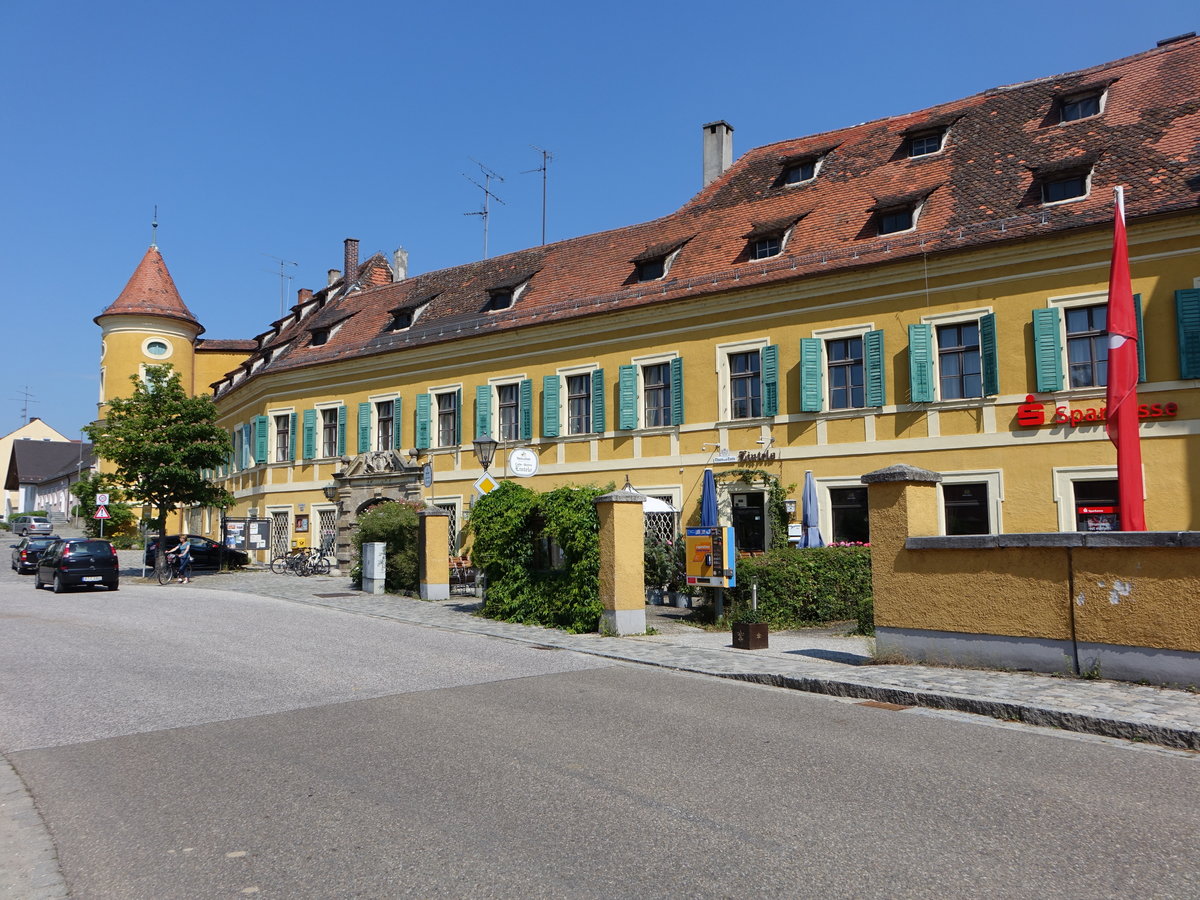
1081, 106
401, 319
1065, 180
926, 142
320, 337
1066, 187
799, 172
505, 293
500, 299
895, 220
767, 239
654, 262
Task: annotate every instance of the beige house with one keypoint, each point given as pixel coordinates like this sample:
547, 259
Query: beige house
33, 430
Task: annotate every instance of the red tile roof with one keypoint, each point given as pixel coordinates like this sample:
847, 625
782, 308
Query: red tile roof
980, 188
151, 291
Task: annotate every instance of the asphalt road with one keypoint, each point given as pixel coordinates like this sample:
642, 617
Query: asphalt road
188, 742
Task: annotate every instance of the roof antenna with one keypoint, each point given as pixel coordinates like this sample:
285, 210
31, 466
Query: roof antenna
486, 187
284, 280
543, 168
154, 229
28, 398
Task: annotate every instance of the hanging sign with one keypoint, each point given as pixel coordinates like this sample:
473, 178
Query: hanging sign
101, 513
523, 462
427, 475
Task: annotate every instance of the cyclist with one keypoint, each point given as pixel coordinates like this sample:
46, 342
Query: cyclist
183, 556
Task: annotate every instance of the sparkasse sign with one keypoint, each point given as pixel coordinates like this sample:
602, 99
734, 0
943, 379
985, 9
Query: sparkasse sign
1032, 414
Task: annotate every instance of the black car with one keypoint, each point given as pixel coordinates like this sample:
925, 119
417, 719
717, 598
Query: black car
78, 562
25, 553
206, 553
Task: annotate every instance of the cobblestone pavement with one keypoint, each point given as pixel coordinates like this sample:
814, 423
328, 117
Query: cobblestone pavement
819, 660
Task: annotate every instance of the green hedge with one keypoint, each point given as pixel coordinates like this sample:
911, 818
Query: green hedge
541, 555
801, 587
394, 523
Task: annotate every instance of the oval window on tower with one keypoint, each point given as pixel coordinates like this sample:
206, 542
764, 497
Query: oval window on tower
157, 348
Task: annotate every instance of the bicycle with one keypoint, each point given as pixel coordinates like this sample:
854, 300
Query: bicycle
168, 570
295, 562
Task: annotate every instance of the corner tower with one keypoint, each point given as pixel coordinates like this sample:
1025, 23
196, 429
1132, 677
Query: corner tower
148, 324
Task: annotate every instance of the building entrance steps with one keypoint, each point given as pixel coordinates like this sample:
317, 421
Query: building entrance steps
823, 660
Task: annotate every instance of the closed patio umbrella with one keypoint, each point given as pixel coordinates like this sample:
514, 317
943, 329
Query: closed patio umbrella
708, 501
811, 513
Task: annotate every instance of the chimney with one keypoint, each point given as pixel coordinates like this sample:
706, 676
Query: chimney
351, 266
400, 267
334, 275
718, 150
303, 296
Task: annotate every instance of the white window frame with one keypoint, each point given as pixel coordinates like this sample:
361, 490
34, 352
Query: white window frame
1079, 95
993, 478
564, 419
320, 441
916, 217
640, 362
957, 317
840, 333
494, 384
374, 400
1087, 185
272, 447
1064, 478
724, 385
941, 133
825, 502
1062, 303
434, 418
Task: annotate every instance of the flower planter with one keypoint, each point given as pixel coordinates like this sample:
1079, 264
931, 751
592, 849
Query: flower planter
654, 596
680, 599
750, 635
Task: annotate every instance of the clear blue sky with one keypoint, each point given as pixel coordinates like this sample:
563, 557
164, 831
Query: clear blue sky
277, 129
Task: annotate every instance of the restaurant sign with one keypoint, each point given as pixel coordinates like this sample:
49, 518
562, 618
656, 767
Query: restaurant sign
1032, 414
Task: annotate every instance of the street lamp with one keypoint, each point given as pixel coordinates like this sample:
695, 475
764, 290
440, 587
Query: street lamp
485, 450
330, 491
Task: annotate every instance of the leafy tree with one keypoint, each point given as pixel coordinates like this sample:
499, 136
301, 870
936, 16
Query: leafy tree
122, 520
161, 440
396, 524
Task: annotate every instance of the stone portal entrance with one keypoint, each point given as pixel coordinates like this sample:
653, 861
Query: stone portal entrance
366, 480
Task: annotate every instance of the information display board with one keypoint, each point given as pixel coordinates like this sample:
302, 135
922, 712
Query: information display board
711, 557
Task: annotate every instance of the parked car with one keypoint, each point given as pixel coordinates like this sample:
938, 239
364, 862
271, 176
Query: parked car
25, 553
23, 525
206, 553
78, 562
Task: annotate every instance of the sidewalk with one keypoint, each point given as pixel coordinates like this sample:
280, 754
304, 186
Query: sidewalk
817, 660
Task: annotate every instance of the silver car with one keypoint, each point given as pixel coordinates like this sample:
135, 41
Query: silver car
23, 525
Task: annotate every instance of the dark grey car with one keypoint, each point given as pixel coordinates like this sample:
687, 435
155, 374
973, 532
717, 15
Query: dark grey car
26, 552
78, 562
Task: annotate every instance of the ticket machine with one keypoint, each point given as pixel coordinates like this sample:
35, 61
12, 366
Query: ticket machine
711, 557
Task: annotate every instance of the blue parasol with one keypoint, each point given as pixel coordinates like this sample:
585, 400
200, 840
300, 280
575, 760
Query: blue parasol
811, 513
708, 501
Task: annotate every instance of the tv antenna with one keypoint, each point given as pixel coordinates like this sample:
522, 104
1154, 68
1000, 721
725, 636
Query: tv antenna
547, 156
26, 398
284, 281
488, 196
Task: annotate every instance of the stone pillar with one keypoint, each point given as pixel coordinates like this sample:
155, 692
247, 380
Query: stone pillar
434, 553
622, 562
374, 567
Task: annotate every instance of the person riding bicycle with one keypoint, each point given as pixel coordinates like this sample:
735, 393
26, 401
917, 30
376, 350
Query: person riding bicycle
183, 556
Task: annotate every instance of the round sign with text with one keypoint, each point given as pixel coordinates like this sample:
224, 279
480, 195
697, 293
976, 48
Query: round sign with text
523, 462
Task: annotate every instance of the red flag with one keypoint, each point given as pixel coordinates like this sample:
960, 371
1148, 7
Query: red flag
1122, 415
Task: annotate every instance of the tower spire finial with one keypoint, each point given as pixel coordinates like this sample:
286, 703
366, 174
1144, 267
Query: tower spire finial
154, 228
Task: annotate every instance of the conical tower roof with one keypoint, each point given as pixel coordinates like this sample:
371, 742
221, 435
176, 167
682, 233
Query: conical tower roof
151, 292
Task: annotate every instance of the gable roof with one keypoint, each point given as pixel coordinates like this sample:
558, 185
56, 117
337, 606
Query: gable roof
151, 291
34, 462
977, 190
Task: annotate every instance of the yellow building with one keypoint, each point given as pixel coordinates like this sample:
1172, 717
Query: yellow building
911, 289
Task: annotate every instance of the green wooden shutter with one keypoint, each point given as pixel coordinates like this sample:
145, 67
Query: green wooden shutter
627, 417
988, 356
598, 404
423, 415
364, 427
525, 410
483, 410
341, 437
458, 417
770, 380
550, 405
262, 431
677, 391
235, 457
310, 433
1187, 317
397, 421
812, 392
292, 439
873, 364
1047, 350
920, 363
1141, 345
